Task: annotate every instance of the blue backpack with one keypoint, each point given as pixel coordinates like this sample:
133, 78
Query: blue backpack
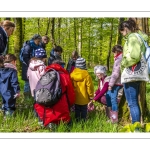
147, 53
27, 43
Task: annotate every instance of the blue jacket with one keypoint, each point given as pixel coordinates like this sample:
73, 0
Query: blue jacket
3, 40
9, 84
51, 58
30, 46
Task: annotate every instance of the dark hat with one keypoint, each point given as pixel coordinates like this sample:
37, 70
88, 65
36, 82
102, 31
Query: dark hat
80, 63
36, 36
40, 53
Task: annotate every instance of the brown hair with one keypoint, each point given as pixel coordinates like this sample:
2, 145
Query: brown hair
130, 24
7, 24
9, 58
117, 48
74, 54
1, 62
45, 36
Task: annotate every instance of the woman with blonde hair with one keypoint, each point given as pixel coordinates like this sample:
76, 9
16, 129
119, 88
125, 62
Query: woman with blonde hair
6, 29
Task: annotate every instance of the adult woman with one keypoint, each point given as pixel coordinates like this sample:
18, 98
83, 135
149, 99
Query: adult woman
131, 56
6, 29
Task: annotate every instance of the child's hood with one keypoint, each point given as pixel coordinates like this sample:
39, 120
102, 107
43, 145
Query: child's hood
79, 74
5, 73
35, 63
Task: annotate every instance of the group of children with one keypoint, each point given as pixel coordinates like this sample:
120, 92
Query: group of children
75, 81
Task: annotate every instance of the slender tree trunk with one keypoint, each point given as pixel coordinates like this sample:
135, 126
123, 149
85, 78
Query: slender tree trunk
89, 43
38, 22
48, 26
80, 36
110, 41
59, 28
18, 40
101, 42
75, 36
52, 32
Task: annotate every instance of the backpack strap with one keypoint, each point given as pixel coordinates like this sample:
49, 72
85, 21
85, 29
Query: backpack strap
145, 43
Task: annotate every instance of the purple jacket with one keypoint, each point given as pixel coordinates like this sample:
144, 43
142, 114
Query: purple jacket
116, 73
102, 90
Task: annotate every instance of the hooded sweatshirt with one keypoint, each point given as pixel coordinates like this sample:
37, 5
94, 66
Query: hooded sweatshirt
9, 84
83, 86
35, 70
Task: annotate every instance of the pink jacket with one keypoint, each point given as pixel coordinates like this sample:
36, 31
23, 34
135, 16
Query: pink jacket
35, 70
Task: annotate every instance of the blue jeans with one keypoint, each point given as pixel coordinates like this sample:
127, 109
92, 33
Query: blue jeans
26, 86
80, 112
111, 97
131, 90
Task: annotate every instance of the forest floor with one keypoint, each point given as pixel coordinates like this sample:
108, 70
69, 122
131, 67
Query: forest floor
25, 121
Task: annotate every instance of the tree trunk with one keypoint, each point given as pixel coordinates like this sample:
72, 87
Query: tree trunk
143, 25
119, 35
110, 41
52, 32
80, 36
59, 28
75, 39
18, 40
48, 24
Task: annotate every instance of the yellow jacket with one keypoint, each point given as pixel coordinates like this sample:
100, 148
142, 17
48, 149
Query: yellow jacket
83, 86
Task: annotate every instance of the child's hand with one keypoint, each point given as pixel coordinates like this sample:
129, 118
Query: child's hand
16, 95
90, 106
110, 88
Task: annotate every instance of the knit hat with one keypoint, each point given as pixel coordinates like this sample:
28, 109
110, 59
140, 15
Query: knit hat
100, 69
80, 63
40, 53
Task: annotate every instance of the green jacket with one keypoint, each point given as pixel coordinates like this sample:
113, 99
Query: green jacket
132, 49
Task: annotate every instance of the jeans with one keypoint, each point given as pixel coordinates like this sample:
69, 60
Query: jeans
131, 90
80, 112
26, 86
111, 97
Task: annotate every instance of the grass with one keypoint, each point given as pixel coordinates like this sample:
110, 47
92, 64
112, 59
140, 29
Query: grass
25, 121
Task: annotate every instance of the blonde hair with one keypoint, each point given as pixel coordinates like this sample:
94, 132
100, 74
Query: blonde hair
7, 24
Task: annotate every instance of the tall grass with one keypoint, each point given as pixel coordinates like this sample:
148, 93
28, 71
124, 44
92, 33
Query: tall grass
25, 121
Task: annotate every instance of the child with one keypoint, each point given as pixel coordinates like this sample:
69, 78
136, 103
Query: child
71, 62
36, 68
114, 84
9, 85
103, 80
84, 89
59, 112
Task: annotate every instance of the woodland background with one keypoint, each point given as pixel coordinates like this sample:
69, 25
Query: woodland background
93, 38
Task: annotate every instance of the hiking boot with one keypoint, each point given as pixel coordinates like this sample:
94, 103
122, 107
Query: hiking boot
114, 116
